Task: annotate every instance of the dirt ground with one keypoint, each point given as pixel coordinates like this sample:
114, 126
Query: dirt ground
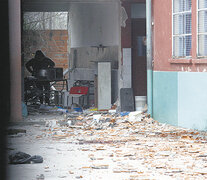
102, 145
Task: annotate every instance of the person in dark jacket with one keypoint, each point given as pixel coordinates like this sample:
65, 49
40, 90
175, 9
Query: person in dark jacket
40, 61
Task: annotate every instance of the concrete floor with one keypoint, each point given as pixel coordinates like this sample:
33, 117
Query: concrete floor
138, 149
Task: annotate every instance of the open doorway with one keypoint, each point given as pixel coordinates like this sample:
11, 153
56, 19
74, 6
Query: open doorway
93, 38
139, 64
139, 71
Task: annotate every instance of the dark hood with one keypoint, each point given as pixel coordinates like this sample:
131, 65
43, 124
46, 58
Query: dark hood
39, 54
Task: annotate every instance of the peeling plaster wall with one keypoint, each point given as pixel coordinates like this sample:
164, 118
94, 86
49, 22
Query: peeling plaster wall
85, 57
94, 29
83, 65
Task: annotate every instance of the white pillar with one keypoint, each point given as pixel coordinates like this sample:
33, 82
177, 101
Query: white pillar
104, 85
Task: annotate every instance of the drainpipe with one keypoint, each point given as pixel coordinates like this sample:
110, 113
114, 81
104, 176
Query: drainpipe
15, 59
149, 56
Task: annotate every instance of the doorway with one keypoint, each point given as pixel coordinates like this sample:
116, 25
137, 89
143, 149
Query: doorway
139, 70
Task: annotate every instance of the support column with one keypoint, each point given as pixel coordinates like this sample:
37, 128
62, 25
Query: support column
15, 58
149, 56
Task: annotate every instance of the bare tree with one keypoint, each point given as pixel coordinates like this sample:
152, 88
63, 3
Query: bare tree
35, 25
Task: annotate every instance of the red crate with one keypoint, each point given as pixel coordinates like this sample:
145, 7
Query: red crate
82, 90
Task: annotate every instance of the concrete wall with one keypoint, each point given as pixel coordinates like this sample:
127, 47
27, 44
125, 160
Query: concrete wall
86, 57
84, 65
93, 24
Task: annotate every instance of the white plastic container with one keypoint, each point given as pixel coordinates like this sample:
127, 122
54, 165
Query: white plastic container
140, 102
96, 117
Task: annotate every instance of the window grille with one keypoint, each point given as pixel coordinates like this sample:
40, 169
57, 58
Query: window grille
202, 27
182, 36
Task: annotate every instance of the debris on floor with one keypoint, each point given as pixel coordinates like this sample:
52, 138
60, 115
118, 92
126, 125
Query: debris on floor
15, 131
120, 145
40, 177
24, 158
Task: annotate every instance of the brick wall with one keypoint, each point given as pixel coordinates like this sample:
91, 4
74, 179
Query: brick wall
52, 42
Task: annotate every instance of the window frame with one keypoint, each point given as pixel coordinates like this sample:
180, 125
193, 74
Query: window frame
197, 30
180, 35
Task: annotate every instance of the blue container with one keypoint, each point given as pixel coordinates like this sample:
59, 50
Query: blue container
124, 113
78, 109
24, 110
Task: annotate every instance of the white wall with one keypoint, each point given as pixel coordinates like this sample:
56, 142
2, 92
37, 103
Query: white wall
92, 24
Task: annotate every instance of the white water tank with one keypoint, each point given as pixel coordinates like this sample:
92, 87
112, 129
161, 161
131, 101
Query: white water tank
140, 102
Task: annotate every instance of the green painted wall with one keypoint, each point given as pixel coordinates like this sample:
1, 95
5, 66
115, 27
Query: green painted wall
180, 99
149, 92
165, 96
192, 100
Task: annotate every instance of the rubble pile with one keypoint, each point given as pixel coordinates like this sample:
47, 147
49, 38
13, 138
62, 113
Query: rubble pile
139, 145
112, 126
111, 145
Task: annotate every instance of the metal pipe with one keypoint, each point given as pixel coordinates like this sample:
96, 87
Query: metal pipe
149, 56
15, 59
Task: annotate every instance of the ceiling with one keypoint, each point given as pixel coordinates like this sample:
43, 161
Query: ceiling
54, 5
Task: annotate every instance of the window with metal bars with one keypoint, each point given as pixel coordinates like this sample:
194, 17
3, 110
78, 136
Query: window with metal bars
182, 36
202, 28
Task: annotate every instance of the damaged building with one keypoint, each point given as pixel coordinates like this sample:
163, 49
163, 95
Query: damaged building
127, 92
125, 52
95, 34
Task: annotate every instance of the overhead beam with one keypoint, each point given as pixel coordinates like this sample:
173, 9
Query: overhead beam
55, 5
